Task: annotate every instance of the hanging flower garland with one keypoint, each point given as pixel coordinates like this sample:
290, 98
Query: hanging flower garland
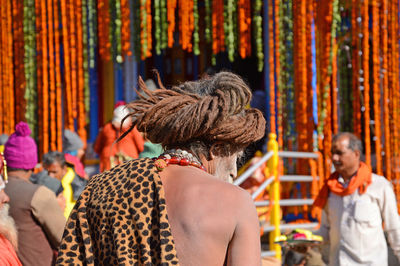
218, 35
81, 114
103, 29
7, 65
18, 47
365, 80
58, 93
300, 73
208, 24
92, 29
171, 6
257, 18
30, 96
356, 27
229, 10
125, 27
196, 36
73, 52
149, 29
45, 79
85, 54
69, 121
309, 67
2, 68
117, 33
39, 85
143, 29
52, 83
393, 80
376, 89
244, 18
157, 26
333, 59
385, 84
279, 71
186, 24
271, 66
164, 24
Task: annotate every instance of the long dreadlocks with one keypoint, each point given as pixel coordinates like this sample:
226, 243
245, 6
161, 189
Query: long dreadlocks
210, 110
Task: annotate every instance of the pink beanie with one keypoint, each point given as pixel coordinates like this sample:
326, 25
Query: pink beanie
20, 150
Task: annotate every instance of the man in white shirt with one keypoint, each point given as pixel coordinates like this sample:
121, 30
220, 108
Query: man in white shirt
358, 207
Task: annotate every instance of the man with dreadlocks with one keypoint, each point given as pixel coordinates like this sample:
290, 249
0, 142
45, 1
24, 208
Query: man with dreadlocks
121, 216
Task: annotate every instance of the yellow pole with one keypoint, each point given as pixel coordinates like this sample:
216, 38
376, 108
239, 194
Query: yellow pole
274, 195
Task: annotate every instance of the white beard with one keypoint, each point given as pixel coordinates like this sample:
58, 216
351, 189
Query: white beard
7, 226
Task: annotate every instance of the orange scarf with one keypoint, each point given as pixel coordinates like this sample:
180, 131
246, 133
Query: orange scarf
361, 180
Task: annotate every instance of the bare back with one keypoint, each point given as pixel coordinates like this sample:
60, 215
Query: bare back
212, 222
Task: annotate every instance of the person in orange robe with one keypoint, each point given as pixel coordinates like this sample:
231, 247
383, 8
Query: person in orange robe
113, 153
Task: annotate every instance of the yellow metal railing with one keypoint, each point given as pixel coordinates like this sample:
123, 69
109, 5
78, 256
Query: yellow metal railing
274, 194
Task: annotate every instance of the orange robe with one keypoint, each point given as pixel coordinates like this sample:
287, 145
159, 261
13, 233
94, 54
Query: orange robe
8, 257
130, 146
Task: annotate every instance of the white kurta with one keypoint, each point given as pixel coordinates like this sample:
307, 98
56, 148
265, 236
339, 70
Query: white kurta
354, 225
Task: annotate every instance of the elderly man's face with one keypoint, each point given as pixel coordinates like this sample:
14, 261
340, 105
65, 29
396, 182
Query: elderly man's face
344, 159
225, 167
3, 198
7, 224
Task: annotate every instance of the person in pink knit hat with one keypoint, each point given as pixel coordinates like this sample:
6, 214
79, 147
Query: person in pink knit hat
38, 217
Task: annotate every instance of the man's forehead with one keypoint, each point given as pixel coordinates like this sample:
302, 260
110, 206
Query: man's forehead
342, 141
55, 164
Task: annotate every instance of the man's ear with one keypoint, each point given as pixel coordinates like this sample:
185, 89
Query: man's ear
217, 148
358, 154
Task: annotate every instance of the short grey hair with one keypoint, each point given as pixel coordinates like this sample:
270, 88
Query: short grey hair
355, 143
53, 157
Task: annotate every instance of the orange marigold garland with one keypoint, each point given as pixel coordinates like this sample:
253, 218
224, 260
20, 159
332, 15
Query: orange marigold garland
149, 26
125, 27
2, 82
365, 80
52, 96
69, 121
73, 59
218, 35
19, 71
45, 79
244, 20
10, 73
171, 6
59, 114
271, 66
376, 88
385, 85
39, 84
81, 114
103, 20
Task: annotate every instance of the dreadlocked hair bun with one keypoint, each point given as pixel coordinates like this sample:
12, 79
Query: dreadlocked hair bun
209, 110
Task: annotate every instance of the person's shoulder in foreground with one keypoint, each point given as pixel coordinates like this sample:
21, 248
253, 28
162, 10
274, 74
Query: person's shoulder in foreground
202, 126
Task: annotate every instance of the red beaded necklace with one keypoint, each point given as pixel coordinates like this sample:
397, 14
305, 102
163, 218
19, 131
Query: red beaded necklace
179, 157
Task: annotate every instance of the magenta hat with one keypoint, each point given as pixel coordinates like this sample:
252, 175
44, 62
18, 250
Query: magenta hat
20, 150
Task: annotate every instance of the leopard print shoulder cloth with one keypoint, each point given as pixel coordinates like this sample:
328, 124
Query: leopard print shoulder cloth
120, 219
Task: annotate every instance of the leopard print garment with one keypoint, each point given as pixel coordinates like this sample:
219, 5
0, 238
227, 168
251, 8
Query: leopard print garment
120, 219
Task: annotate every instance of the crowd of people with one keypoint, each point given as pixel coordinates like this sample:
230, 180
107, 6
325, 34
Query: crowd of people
164, 195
